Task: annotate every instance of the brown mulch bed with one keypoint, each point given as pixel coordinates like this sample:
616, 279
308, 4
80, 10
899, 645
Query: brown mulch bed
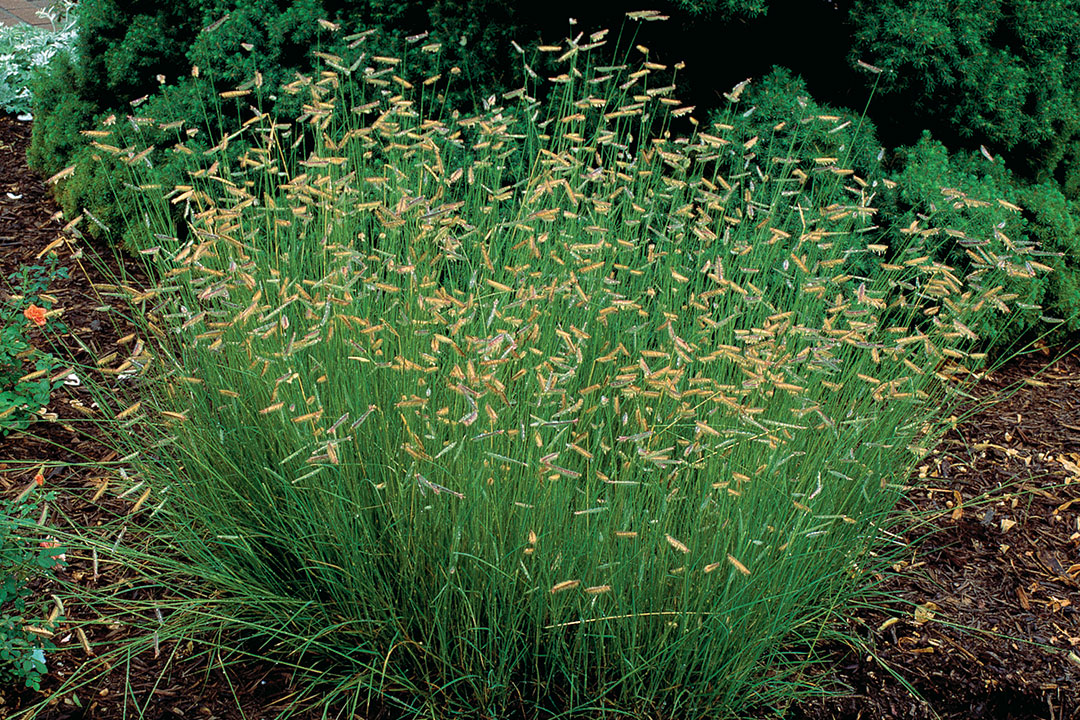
982, 619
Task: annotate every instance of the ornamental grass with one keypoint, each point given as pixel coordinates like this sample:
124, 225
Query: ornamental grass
569, 407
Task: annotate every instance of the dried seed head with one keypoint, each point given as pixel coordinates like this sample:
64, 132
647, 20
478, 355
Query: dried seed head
564, 585
676, 544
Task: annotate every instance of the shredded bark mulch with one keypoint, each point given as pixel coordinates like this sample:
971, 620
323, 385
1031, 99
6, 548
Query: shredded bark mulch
981, 620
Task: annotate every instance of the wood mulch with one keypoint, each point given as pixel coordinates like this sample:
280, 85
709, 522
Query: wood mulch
981, 620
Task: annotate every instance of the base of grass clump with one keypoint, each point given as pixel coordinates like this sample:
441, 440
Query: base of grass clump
494, 413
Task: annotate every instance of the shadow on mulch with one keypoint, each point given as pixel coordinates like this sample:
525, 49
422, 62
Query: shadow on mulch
981, 620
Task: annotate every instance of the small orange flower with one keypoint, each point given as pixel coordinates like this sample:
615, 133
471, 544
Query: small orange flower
35, 315
39, 479
50, 543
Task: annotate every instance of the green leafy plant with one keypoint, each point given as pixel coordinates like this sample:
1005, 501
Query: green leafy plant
927, 182
542, 406
725, 8
25, 631
24, 48
22, 393
125, 51
1006, 74
952, 189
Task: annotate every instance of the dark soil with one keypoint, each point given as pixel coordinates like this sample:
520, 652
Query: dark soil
981, 619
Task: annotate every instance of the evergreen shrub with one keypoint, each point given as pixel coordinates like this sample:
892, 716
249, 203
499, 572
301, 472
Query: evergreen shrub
782, 120
1005, 74
925, 182
196, 48
953, 189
